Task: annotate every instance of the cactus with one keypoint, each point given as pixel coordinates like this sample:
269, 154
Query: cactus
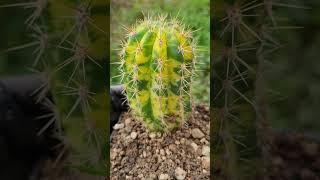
245, 40
70, 61
157, 65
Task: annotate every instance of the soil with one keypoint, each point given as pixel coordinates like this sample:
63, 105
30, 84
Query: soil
184, 154
294, 155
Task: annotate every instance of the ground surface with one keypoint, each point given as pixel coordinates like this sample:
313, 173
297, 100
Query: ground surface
295, 156
184, 154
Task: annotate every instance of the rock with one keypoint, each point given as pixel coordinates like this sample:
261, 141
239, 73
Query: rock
206, 163
144, 154
197, 133
164, 177
206, 151
182, 140
159, 135
127, 122
177, 142
180, 173
118, 126
128, 129
204, 141
152, 135
151, 177
140, 176
194, 146
204, 171
168, 152
133, 135
162, 152
122, 153
172, 147
113, 154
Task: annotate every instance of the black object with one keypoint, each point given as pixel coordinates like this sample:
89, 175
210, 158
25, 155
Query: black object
118, 104
21, 148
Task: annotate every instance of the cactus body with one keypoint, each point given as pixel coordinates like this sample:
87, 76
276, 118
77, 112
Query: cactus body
158, 64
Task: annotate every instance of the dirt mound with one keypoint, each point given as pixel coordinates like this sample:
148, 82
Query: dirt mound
183, 154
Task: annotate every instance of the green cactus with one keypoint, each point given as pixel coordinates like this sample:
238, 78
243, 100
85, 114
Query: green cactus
70, 43
157, 64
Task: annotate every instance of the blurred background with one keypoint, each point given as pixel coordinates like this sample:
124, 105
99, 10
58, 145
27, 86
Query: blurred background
195, 14
294, 77
293, 70
284, 142
56, 27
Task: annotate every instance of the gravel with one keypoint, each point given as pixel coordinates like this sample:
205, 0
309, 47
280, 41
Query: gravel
182, 154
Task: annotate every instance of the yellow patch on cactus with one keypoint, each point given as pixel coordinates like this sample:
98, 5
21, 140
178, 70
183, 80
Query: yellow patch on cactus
156, 105
160, 45
144, 73
187, 53
131, 48
141, 58
144, 96
172, 104
172, 64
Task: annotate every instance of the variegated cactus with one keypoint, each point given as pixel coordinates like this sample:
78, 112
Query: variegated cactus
157, 63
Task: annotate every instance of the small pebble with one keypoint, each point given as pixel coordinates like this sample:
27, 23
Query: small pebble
197, 133
194, 146
162, 152
168, 152
133, 135
180, 173
118, 126
144, 154
152, 135
206, 150
140, 176
127, 121
206, 163
204, 141
164, 177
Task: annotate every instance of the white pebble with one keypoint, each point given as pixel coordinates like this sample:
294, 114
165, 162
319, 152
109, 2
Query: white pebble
180, 173
118, 126
133, 135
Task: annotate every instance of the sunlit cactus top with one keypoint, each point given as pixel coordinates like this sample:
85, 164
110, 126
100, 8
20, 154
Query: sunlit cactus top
157, 63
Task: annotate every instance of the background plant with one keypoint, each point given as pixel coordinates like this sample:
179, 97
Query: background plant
245, 40
66, 42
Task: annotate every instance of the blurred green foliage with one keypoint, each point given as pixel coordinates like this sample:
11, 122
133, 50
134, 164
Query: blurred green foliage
195, 14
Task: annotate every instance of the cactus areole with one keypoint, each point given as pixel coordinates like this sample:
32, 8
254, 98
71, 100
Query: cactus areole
157, 64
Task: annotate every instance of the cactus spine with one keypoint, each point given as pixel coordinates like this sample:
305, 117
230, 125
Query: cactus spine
158, 61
